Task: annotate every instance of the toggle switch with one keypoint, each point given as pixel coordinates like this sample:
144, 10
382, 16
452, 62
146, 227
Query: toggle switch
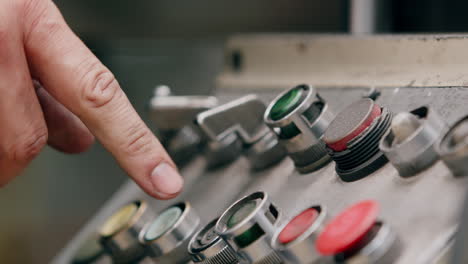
248, 226
207, 247
119, 233
353, 139
295, 241
167, 235
238, 125
410, 143
299, 117
357, 236
453, 148
174, 118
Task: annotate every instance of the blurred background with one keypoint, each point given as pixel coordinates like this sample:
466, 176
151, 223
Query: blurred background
178, 43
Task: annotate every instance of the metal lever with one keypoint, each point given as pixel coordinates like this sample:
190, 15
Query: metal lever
242, 120
174, 118
170, 112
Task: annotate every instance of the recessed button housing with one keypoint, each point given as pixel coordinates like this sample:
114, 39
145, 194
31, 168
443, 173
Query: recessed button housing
295, 241
410, 143
453, 148
248, 226
167, 235
357, 235
119, 233
299, 117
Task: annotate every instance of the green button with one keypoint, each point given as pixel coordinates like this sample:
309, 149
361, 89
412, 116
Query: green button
249, 236
287, 103
163, 223
241, 214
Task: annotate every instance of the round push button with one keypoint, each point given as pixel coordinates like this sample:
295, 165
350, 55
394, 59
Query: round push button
347, 229
163, 223
299, 117
241, 213
298, 225
349, 124
410, 143
286, 103
353, 138
119, 235
248, 226
166, 237
295, 240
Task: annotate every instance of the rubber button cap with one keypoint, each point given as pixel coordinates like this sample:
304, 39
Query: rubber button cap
298, 225
348, 228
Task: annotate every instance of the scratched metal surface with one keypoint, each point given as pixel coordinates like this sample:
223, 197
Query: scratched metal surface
424, 209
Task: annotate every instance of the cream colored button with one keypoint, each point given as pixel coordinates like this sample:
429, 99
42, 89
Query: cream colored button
118, 220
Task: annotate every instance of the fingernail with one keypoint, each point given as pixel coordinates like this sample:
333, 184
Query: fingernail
166, 180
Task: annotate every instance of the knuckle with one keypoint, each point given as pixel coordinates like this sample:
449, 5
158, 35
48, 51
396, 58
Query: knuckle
99, 86
30, 145
138, 140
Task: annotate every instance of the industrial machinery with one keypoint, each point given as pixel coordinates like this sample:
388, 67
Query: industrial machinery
314, 149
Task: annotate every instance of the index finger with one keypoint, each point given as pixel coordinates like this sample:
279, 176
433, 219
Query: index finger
76, 78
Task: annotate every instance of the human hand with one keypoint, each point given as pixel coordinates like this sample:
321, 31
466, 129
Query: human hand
75, 97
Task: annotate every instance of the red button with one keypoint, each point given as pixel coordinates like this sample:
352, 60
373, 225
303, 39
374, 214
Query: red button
351, 122
348, 228
298, 225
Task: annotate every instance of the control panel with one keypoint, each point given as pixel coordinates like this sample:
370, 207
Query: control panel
301, 174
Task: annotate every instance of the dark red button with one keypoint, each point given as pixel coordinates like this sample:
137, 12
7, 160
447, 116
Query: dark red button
351, 122
298, 225
348, 228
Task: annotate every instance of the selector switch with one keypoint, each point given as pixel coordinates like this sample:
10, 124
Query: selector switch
295, 241
119, 233
167, 235
356, 236
410, 143
453, 148
248, 226
238, 125
353, 139
207, 247
299, 117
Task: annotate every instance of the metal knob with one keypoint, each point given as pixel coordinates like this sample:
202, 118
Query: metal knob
207, 247
238, 126
353, 139
167, 235
295, 240
119, 233
248, 226
299, 117
410, 142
